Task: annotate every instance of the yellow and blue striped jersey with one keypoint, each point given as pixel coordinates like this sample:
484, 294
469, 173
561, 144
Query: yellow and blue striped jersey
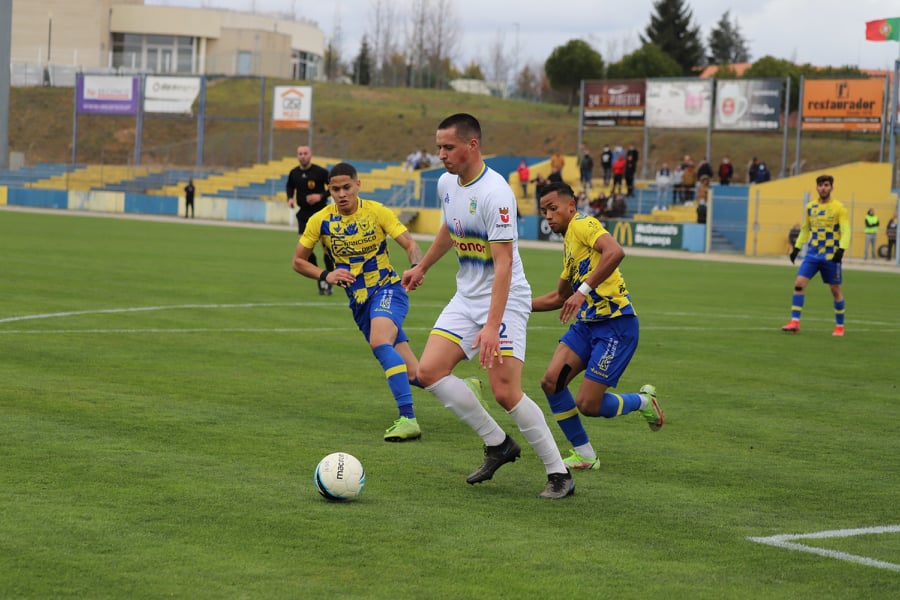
826, 226
357, 242
611, 298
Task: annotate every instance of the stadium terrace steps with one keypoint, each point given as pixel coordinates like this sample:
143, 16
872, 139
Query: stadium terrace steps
92, 177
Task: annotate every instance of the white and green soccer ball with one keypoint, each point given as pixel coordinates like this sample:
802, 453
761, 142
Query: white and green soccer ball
340, 477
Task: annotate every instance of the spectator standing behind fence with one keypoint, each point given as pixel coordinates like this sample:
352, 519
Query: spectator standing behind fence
726, 171
752, 168
618, 169
871, 231
557, 164
688, 181
189, 198
891, 230
762, 173
586, 167
704, 168
606, 160
631, 161
524, 175
663, 182
677, 185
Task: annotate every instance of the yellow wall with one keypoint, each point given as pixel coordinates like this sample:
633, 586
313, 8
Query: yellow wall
2, 195
774, 207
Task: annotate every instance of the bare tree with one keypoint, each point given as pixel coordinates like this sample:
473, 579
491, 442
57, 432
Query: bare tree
443, 39
416, 35
383, 44
498, 66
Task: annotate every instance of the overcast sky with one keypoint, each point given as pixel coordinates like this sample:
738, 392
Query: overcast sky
820, 32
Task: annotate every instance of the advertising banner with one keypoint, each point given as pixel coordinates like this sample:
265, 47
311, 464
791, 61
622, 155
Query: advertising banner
614, 103
292, 107
843, 104
638, 234
170, 94
748, 104
107, 94
679, 103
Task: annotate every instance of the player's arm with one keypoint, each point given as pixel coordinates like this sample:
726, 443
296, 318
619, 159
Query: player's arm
488, 339
844, 222
413, 252
415, 276
290, 190
611, 255
552, 300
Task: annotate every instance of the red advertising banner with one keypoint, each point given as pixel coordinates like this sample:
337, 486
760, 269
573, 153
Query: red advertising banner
611, 103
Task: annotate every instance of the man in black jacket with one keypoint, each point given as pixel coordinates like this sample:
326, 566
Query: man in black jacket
307, 193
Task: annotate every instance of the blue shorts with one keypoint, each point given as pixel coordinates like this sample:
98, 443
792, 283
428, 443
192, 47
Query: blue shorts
390, 301
817, 263
605, 347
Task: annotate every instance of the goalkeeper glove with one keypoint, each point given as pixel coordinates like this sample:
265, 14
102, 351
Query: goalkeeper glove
838, 255
794, 253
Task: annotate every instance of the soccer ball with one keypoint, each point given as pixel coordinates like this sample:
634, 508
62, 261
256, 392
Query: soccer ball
340, 477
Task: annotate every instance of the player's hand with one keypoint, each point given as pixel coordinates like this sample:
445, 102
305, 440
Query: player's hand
488, 343
412, 278
571, 307
341, 277
838, 255
794, 253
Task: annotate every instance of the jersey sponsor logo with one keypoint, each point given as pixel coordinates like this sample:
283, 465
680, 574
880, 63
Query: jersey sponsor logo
504, 214
476, 247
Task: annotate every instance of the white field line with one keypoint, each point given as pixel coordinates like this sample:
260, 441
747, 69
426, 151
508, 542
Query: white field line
858, 326
787, 541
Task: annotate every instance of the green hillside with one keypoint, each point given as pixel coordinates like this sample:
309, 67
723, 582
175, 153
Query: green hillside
363, 123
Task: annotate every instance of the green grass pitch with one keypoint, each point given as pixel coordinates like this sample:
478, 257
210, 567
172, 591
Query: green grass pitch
167, 388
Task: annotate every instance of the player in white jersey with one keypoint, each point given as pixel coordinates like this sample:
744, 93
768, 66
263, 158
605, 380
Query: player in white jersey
489, 313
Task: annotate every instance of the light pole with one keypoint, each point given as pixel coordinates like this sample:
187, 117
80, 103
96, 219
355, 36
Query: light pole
49, 48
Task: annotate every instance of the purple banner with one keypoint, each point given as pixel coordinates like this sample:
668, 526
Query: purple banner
107, 94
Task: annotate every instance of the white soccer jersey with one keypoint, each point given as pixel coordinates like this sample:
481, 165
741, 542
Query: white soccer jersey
477, 214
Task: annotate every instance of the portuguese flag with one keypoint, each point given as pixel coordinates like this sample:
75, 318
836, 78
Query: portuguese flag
883, 30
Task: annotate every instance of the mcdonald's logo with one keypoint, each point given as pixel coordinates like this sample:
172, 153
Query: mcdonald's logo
623, 233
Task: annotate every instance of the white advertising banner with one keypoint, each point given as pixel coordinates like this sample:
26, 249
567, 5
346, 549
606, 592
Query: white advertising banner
170, 94
292, 107
679, 103
748, 104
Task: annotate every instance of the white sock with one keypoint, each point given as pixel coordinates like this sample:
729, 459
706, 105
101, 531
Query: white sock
455, 395
533, 425
586, 451
645, 400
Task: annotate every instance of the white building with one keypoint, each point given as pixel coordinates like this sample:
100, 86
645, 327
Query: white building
129, 36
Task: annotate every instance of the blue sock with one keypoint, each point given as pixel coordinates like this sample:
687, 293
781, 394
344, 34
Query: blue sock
614, 404
839, 312
562, 404
397, 378
796, 306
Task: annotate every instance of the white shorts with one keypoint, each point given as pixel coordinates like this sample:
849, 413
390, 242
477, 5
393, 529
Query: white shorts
462, 319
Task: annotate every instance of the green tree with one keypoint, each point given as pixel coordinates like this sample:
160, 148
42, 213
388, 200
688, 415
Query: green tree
726, 44
362, 64
568, 65
647, 61
473, 71
771, 67
671, 29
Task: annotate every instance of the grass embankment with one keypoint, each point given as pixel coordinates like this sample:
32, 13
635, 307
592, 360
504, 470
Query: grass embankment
362, 123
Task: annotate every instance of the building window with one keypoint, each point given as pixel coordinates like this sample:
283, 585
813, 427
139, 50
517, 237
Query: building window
304, 65
154, 53
244, 62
